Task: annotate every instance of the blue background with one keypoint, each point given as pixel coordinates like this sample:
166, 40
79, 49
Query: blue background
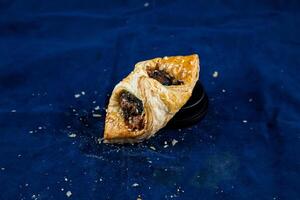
52, 50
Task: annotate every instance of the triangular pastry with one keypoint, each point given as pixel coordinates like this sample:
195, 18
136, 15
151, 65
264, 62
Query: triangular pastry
144, 101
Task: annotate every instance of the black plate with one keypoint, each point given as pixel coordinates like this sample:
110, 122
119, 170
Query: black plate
193, 111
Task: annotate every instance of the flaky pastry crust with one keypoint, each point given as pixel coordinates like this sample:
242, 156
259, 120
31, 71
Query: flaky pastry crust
160, 102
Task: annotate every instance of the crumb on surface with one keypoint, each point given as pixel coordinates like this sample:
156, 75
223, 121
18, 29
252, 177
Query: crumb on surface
215, 74
100, 140
69, 193
174, 142
77, 95
97, 115
146, 4
135, 185
152, 147
72, 135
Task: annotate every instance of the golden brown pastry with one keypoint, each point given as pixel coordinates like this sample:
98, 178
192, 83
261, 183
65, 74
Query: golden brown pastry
144, 101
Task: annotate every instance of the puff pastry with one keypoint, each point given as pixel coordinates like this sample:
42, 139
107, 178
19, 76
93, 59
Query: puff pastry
144, 101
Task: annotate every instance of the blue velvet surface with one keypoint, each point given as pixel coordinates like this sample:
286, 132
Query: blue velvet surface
247, 147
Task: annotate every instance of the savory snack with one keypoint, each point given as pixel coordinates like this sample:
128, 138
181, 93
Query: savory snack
144, 101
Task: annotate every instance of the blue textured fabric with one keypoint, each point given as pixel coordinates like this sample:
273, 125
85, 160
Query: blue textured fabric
247, 147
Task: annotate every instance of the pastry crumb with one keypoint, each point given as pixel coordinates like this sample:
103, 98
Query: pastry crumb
97, 115
69, 193
135, 185
245, 121
100, 140
97, 108
166, 146
174, 142
223, 90
77, 96
146, 4
250, 100
83, 92
72, 135
215, 74
152, 147
13, 111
